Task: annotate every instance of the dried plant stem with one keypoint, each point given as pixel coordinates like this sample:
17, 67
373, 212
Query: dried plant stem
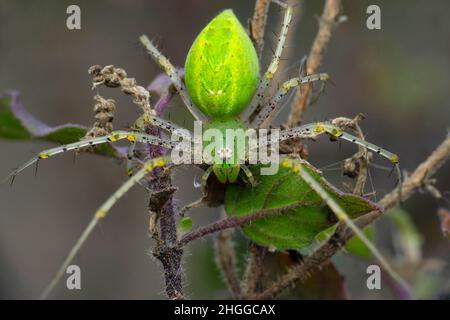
113, 77
343, 233
328, 21
257, 24
226, 260
161, 205
166, 251
254, 270
104, 115
170, 259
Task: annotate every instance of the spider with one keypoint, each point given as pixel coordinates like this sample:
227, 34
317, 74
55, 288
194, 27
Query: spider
222, 89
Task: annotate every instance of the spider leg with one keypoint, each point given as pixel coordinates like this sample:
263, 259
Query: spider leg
303, 132
268, 75
297, 167
170, 127
313, 130
249, 175
274, 107
206, 175
101, 213
112, 137
130, 157
157, 122
174, 76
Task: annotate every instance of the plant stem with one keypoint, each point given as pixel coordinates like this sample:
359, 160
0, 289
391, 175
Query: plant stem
328, 21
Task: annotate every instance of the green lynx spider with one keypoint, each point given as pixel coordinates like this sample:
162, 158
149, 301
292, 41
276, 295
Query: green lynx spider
223, 90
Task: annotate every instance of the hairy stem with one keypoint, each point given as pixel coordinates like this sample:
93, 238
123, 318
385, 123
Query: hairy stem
163, 208
230, 222
254, 270
170, 256
226, 260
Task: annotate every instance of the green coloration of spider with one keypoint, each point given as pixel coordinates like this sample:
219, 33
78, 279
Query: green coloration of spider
222, 68
223, 90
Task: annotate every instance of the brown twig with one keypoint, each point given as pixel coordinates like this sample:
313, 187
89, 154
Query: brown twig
163, 210
328, 21
257, 24
343, 234
226, 260
254, 270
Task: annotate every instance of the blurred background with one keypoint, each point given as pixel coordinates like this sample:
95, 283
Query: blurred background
398, 77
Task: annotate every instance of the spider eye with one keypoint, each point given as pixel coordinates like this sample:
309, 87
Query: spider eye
224, 153
228, 153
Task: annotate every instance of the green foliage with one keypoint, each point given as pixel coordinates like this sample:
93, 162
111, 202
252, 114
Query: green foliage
66, 135
294, 228
407, 236
185, 225
18, 124
356, 247
10, 125
222, 68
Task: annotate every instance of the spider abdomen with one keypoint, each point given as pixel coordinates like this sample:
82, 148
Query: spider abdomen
222, 68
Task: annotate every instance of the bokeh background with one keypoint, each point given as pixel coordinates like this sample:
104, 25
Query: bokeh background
398, 77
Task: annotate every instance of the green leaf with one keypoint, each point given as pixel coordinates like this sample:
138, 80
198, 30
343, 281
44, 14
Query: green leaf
17, 123
185, 225
294, 228
10, 125
357, 248
407, 237
66, 134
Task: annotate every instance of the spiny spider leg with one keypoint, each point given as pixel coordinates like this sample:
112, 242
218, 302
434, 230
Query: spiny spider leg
274, 106
249, 175
112, 137
101, 213
297, 167
205, 176
160, 123
174, 76
313, 130
170, 127
267, 77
